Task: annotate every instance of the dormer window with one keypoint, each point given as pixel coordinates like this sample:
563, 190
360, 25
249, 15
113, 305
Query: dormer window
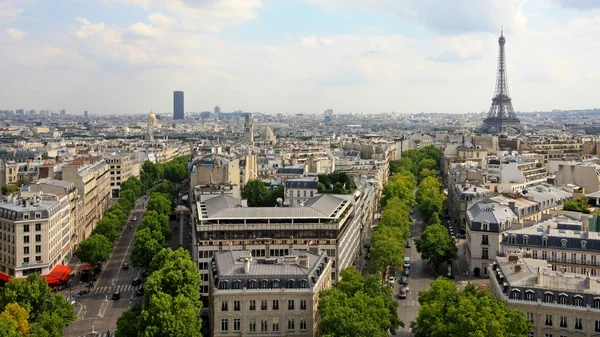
252, 284
485, 226
303, 284
275, 283
513, 239
583, 244
290, 284
563, 243
544, 241
515, 294
529, 295
525, 240
264, 284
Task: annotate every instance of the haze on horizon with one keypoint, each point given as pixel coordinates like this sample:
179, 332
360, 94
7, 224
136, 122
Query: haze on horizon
408, 56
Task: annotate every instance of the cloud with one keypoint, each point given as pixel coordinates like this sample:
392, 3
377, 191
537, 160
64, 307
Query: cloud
447, 17
15, 34
579, 4
11, 9
206, 15
309, 41
459, 49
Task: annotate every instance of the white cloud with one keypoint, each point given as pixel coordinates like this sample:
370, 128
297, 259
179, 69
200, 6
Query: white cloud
309, 41
579, 4
15, 34
460, 48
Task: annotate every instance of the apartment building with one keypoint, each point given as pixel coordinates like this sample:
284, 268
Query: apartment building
122, 167
213, 169
91, 176
485, 223
335, 224
259, 296
35, 235
557, 303
586, 175
564, 241
298, 190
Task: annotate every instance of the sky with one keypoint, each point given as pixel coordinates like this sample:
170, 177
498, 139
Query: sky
297, 56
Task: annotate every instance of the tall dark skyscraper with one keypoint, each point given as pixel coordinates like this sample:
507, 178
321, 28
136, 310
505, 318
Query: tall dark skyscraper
178, 112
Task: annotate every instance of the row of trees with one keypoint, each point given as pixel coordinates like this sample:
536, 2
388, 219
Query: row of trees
473, 312
175, 171
29, 309
424, 162
258, 195
336, 183
98, 246
171, 304
153, 234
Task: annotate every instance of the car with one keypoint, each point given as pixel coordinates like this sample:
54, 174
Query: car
134, 218
402, 293
130, 226
125, 265
404, 280
410, 218
407, 288
412, 211
144, 273
136, 282
408, 244
116, 295
406, 262
391, 280
368, 256
140, 291
406, 272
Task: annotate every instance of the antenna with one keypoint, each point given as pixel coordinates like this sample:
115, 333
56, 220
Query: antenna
502, 30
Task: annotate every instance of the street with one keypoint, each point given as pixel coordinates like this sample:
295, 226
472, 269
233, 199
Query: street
97, 312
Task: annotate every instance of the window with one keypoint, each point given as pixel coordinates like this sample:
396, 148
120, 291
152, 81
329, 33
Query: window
264, 284
224, 325
38, 227
525, 240
549, 320
26, 260
38, 248
290, 304
563, 243
578, 323
485, 226
302, 304
535, 254
597, 326
583, 259
563, 321
276, 321
485, 240
302, 324
545, 244
563, 257
548, 297
529, 316
224, 306
252, 304
529, 295
263, 305
513, 239
292, 323
38, 258
484, 253
38, 238
252, 283
252, 325
303, 284
573, 257
25, 250
544, 255
275, 284
236, 324
578, 301
26, 239
236, 305
275, 304
597, 303
583, 244
26, 228
563, 299
263, 325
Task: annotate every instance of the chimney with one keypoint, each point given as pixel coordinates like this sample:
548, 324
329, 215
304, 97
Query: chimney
539, 279
588, 281
511, 205
247, 265
548, 229
303, 261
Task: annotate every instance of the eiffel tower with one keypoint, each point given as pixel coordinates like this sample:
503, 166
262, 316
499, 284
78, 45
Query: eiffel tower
502, 115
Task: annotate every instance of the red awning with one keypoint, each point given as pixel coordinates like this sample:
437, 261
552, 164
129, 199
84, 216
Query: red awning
61, 272
4, 277
50, 279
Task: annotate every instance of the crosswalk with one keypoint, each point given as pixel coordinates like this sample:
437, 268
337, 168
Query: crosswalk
97, 334
139, 209
112, 289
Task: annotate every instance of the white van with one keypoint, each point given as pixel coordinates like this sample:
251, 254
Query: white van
407, 262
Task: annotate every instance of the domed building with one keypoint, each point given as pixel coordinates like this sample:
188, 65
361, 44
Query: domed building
269, 136
151, 124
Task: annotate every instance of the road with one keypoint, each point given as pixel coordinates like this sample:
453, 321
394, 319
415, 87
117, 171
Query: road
97, 312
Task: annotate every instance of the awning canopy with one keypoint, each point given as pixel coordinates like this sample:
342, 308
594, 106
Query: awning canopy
61, 272
51, 280
4, 277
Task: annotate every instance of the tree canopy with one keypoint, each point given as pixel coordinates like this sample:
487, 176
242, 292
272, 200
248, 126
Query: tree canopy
357, 307
435, 244
94, 249
430, 198
448, 312
258, 195
577, 205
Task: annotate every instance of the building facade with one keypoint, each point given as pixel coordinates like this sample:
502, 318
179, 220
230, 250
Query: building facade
178, 106
122, 167
278, 296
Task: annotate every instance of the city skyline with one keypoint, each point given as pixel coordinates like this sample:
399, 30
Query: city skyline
111, 56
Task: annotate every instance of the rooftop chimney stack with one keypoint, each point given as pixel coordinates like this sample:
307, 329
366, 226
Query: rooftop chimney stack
539, 279
588, 281
303, 261
247, 265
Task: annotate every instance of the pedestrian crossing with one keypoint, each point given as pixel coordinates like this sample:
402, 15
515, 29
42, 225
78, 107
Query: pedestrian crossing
112, 289
139, 209
97, 334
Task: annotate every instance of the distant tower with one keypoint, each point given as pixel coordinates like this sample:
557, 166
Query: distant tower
150, 129
218, 112
86, 114
248, 129
178, 105
502, 115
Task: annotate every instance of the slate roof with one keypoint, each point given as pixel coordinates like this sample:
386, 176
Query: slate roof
490, 212
290, 170
306, 183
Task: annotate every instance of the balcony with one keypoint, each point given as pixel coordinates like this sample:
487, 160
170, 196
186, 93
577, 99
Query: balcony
485, 242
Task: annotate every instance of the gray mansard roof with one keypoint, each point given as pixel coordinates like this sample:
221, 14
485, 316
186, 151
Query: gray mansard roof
490, 212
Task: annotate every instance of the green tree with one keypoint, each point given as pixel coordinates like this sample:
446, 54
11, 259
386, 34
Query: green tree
94, 249
165, 315
9, 189
159, 203
49, 324
165, 187
158, 223
127, 324
108, 228
147, 245
19, 315
128, 195
447, 312
176, 172
435, 245
387, 249
173, 273
152, 172
274, 194
430, 198
8, 328
577, 205
357, 307
133, 184
256, 193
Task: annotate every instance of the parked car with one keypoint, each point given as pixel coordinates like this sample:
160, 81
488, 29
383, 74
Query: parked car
402, 293
134, 218
410, 218
144, 273
412, 211
116, 295
136, 282
408, 244
404, 280
125, 265
140, 291
391, 280
406, 262
406, 272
